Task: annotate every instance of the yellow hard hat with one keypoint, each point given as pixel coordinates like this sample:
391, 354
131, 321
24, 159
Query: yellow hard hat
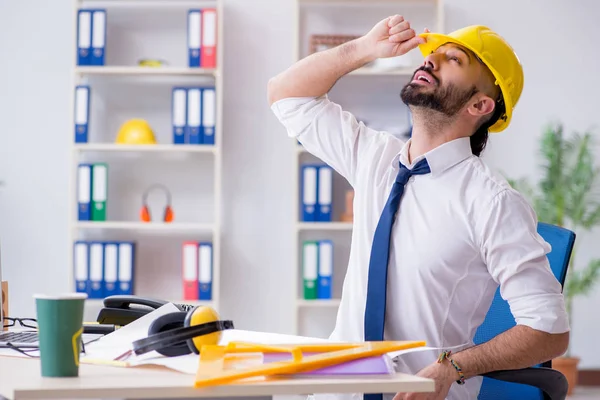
495, 53
136, 131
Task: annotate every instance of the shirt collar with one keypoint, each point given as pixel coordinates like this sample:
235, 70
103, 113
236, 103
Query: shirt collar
441, 158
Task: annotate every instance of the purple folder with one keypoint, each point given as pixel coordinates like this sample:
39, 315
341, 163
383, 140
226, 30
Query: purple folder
376, 365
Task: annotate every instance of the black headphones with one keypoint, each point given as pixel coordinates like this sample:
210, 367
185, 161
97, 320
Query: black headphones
180, 333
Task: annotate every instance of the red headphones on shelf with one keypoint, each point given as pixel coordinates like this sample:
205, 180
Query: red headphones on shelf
168, 214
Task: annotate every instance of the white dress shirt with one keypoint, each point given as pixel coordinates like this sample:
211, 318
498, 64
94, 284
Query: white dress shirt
460, 231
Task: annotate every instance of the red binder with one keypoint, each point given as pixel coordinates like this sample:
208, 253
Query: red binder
189, 263
209, 38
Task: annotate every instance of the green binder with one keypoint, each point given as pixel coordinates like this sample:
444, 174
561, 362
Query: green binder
310, 268
99, 191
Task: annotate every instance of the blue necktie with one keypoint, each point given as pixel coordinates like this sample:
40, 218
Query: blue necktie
380, 252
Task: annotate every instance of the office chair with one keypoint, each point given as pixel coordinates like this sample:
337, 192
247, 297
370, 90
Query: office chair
539, 382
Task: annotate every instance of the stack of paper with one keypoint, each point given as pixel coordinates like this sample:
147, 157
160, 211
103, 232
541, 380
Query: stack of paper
116, 349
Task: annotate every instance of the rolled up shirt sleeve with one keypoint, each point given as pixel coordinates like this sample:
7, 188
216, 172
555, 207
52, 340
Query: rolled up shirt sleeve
326, 131
516, 257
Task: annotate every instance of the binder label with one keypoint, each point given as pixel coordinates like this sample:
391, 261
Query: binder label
179, 115
82, 98
99, 192
84, 178
209, 115
125, 268
98, 36
310, 269
194, 29
84, 39
193, 114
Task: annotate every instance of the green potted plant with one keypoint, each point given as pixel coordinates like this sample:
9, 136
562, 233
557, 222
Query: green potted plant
567, 195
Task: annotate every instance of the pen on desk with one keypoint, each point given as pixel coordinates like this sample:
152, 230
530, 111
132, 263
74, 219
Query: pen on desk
95, 328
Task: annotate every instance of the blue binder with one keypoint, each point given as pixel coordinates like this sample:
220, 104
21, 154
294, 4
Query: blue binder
179, 114
82, 113
308, 192
205, 265
324, 193
193, 38
209, 115
126, 268
81, 266
111, 268
84, 192
194, 115
325, 269
96, 275
98, 37
84, 37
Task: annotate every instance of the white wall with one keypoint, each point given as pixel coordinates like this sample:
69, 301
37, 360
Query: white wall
554, 40
34, 97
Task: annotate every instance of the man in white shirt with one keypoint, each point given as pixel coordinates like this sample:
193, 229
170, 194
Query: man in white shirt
459, 231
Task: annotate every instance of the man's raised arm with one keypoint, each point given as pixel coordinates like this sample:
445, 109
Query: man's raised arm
316, 74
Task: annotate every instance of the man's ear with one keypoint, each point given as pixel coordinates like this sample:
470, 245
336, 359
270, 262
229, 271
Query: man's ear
482, 106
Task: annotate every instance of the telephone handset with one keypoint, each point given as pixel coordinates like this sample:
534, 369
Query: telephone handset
123, 309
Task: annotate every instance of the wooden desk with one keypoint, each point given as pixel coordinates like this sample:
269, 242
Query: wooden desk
20, 378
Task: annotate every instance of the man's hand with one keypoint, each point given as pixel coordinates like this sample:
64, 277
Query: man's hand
392, 37
316, 74
444, 376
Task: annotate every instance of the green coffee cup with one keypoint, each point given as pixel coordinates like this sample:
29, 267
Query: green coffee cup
60, 326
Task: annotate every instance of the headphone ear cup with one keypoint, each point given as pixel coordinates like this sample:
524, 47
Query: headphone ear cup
166, 323
168, 217
145, 214
200, 315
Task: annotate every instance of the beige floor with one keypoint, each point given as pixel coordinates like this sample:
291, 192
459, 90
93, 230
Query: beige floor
585, 393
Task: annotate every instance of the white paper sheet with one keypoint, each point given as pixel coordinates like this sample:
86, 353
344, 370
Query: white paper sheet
117, 343
238, 335
188, 364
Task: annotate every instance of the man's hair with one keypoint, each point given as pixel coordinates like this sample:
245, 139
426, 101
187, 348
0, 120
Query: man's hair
480, 137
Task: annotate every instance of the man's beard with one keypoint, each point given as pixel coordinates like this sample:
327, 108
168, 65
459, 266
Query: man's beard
447, 100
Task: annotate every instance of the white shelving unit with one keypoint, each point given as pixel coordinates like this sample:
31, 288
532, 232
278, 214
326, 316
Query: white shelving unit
324, 226
145, 227
144, 71
372, 94
157, 148
121, 89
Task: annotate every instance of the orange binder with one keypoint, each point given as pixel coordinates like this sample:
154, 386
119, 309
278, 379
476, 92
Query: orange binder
240, 360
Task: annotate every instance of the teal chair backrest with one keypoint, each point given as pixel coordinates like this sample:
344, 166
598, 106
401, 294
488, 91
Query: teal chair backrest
500, 319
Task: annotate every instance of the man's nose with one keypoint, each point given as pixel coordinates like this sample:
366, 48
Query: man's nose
431, 61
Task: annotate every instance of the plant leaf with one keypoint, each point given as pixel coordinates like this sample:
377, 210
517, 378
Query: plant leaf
567, 194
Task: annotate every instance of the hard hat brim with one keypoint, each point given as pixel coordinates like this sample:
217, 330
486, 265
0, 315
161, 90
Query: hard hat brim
435, 40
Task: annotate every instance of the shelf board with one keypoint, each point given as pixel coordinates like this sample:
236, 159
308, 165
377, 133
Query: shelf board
145, 226
318, 303
156, 148
145, 71
365, 3
324, 226
143, 4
